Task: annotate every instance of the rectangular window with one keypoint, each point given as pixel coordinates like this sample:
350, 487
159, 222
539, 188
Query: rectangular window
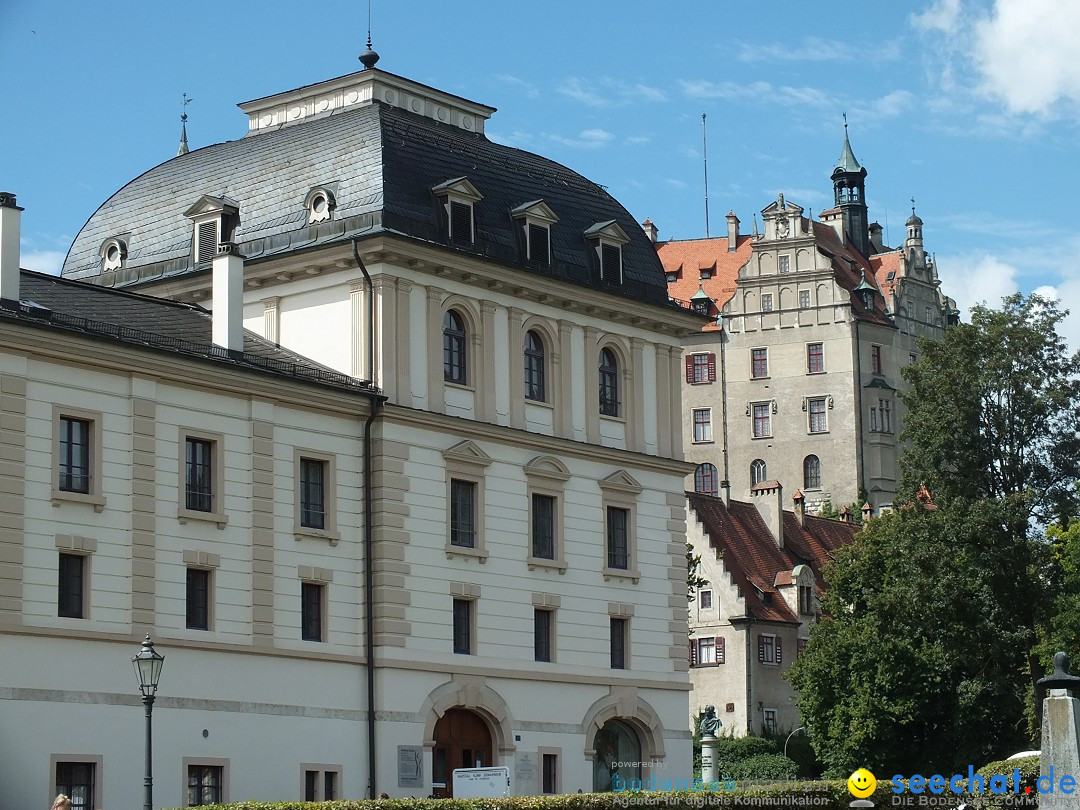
198, 599
766, 302
76, 781
538, 244
700, 368
806, 600
707, 652
804, 299
462, 513
873, 420
313, 493
542, 634
800, 647
759, 363
204, 785
702, 425
311, 610
928, 316
618, 642
543, 526
819, 422
463, 627
815, 358
74, 457
886, 415
461, 223
71, 587
768, 722
704, 600
875, 359
784, 263
618, 545
311, 786
762, 420
912, 358
549, 773
199, 474
611, 264
320, 786
769, 649
208, 241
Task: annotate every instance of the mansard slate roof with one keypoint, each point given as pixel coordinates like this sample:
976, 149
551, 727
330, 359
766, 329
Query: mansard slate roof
381, 163
155, 324
752, 558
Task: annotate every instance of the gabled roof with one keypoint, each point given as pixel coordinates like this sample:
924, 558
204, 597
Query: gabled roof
690, 256
752, 558
155, 324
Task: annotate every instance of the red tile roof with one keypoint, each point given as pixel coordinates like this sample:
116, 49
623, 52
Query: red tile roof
752, 558
688, 257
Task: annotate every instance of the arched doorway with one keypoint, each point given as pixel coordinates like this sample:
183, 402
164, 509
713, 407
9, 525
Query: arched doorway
618, 755
462, 740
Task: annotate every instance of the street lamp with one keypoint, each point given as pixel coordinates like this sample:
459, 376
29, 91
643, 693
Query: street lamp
148, 665
789, 736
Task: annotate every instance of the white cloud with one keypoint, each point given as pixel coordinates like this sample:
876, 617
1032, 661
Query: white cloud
606, 92
579, 91
943, 16
812, 49
1025, 52
757, 91
43, 261
638, 139
528, 88
586, 139
976, 279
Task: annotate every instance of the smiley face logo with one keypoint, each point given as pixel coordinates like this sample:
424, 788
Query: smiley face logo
861, 783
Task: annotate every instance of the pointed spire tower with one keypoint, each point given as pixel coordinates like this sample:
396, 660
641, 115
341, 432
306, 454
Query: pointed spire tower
183, 148
849, 189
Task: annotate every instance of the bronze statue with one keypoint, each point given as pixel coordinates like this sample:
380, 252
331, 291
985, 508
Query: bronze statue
708, 722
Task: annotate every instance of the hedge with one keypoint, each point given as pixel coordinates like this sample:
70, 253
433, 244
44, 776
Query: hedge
1029, 775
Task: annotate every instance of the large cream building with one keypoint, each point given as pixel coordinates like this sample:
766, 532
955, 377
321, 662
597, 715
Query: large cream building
798, 380
514, 595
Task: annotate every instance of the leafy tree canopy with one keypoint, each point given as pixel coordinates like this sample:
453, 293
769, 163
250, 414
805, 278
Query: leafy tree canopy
993, 411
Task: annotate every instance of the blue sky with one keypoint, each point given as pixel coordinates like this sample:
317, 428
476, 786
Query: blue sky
969, 106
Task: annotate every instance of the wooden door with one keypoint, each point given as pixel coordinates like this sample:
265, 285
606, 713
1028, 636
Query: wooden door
462, 740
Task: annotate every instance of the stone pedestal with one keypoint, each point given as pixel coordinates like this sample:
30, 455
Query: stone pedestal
709, 771
1060, 739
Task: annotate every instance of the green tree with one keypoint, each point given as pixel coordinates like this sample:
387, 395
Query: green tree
993, 411
920, 666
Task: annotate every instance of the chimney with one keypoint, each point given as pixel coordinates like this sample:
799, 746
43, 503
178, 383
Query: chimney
877, 241
867, 513
10, 217
228, 292
845, 515
725, 493
769, 500
800, 506
732, 231
651, 230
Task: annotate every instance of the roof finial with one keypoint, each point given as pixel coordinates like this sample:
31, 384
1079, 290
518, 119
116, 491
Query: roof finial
913, 206
183, 149
368, 58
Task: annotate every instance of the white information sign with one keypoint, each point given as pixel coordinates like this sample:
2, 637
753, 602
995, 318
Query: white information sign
481, 783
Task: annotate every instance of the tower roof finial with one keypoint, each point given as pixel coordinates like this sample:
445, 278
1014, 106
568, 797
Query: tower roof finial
183, 148
368, 58
847, 161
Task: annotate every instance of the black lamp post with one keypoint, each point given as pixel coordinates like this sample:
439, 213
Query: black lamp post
148, 665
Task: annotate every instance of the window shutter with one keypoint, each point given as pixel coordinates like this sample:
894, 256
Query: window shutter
720, 650
461, 216
693, 652
689, 363
761, 649
207, 242
538, 244
712, 368
779, 656
610, 259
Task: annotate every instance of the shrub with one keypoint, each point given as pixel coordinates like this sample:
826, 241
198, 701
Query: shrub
1029, 774
762, 766
730, 749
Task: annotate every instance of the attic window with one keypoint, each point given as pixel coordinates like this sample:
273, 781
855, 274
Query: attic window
611, 264
206, 240
672, 278
707, 273
539, 244
215, 220
608, 240
534, 221
320, 204
458, 206
113, 254
461, 223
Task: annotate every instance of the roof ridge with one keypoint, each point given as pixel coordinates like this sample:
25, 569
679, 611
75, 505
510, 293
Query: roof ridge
73, 282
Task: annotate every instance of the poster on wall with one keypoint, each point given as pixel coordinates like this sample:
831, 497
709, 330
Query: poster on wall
410, 769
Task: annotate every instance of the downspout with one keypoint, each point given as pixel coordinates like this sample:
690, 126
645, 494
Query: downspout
369, 574
724, 403
858, 410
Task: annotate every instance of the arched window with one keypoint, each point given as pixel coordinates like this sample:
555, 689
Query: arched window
811, 472
454, 348
758, 472
618, 758
705, 479
535, 387
609, 383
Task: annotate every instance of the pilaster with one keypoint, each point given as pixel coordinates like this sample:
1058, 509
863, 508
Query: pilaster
436, 394
635, 423
271, 318
12, 495
485, 347
143, 514
517, 369
402, 342
591, 383
385, 289
358, 332
665, 424
262, 533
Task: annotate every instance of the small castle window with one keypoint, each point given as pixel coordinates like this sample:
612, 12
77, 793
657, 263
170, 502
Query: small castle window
320, 204
113, 254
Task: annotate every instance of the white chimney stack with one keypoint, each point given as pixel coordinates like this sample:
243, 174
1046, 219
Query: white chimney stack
228, 293
732, 231
651, 230
769, 499
10, 217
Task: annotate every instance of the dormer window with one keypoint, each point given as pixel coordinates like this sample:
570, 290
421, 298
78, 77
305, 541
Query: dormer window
458, 197
608, 239
320, 204
534, 220
215, 220
113, 254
